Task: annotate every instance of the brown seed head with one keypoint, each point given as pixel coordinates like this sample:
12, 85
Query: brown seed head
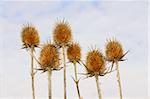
74, 52
30, 37
95, 62
49, 56
62, 33
114, 50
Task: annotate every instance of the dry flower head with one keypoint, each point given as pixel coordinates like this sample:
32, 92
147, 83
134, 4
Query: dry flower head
95, 62
74, 52
62, 33
114, 50
49, 56
30, 37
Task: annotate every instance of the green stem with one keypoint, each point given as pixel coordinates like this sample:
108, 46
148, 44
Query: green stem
119, 80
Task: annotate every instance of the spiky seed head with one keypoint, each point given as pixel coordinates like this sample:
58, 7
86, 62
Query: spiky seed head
49, 56
62, 33
30, 37
74, 52
113, 50
95, 61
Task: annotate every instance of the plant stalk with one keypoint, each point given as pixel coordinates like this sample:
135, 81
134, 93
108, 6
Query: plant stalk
49, 84
32, 72
64, 59
98, 87
119, 80
76, 79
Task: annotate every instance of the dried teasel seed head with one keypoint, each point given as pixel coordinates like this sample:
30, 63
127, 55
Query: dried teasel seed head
49, 56
30, 37
113, 50
62, 33
74, 52
95, 62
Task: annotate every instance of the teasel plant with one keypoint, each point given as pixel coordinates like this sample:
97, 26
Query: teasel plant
49, 61
96, 66
114, 54
62, 36
30, 39
74, 56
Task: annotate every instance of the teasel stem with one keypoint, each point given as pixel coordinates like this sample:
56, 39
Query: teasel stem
49, 84
119, 80
64, 59
98, 87
32, 71
76, 79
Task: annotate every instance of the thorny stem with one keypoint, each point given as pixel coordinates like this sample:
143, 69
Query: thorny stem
119, 81
64, 59
32, 73
98, 87
76, 79
49, 84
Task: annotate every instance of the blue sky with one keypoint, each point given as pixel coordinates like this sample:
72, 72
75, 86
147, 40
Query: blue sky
92, 23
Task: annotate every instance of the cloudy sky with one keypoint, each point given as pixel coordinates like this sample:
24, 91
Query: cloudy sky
92, 23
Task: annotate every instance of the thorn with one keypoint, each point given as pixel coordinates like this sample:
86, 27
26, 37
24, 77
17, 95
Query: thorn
108, 72
44, 71
83, 73
79, 62
35, 46
85, 77
102, 74
57, 69
124, 54
39, 69
123, 60
23, 47
91, 75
